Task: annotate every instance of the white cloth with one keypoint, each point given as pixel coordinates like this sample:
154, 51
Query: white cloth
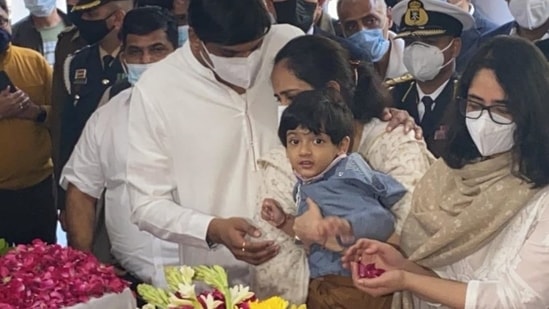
124, 300
434, 95
511, 270
396, 66
194, 143
98, 162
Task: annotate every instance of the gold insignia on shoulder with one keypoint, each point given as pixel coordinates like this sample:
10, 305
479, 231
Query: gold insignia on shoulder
415, 14
391, 82
86, 6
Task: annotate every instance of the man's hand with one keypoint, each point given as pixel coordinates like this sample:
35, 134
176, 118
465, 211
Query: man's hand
232, 234
12, 104
273, 213
306, 226
397, 117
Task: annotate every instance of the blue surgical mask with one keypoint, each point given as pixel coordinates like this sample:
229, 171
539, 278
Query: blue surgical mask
40, 8
183, 34
135, 71
372, 42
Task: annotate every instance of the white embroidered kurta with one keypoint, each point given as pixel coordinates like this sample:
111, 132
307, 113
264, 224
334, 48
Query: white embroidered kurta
512, 270
194, 143
98, 162
397, 154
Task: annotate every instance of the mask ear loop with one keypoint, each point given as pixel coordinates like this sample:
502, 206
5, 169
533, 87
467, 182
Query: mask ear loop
445, 49
354, 65
208, 61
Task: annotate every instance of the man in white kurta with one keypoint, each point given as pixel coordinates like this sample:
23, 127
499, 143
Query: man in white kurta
98, 162
194, 142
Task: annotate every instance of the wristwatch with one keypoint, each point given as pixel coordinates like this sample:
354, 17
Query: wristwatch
42, 114
212, 245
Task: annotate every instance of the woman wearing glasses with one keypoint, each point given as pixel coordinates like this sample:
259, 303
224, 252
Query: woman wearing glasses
477, 235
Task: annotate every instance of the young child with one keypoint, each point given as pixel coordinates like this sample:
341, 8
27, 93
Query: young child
316, 130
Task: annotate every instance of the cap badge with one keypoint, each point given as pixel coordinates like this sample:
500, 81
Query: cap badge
415, 14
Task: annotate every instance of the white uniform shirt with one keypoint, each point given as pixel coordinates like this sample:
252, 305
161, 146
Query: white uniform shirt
434, 96
194, 143
98, 162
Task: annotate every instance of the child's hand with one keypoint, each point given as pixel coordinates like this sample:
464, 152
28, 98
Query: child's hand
273, 213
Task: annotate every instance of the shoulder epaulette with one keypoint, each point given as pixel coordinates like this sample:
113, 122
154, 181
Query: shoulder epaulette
391, 82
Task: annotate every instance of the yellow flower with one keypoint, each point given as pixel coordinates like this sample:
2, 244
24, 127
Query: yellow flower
274, 303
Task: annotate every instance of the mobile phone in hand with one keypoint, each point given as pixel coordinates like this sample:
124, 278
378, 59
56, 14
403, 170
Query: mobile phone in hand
5, 82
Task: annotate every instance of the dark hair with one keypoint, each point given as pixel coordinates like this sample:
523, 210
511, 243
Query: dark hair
228, 22
318, 60
144, 20
523, 73
4, 6
321, 111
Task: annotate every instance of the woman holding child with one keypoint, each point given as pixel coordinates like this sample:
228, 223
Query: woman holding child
308, 63
477, 235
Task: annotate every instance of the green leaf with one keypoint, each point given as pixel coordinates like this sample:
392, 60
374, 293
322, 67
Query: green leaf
4, 247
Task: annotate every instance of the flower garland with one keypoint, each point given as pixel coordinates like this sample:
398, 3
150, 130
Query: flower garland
181, 293
49, 276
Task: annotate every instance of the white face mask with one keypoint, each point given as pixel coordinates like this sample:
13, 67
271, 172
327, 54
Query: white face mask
491, 138
530, 14
135, 70
239, 71
424, 61
281, 109
40, 8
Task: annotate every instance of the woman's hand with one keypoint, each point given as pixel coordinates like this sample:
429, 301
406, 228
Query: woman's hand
389, 282
369, 251
397, 117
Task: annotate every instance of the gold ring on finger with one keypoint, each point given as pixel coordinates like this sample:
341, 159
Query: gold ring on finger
244, 247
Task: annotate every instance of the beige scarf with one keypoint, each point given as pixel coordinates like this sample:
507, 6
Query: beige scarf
456, 212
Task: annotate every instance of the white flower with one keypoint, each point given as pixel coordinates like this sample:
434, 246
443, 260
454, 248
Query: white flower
187, 274
210, 302
186, 291
176, 302
240, 293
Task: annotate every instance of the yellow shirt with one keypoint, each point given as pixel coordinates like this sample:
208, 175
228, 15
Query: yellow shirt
25, 146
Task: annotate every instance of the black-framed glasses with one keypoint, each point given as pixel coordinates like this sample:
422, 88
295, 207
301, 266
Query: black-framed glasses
473, 110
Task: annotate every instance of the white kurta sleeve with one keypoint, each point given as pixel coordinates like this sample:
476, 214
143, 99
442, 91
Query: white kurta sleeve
524, 285
83, 169
151, 182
